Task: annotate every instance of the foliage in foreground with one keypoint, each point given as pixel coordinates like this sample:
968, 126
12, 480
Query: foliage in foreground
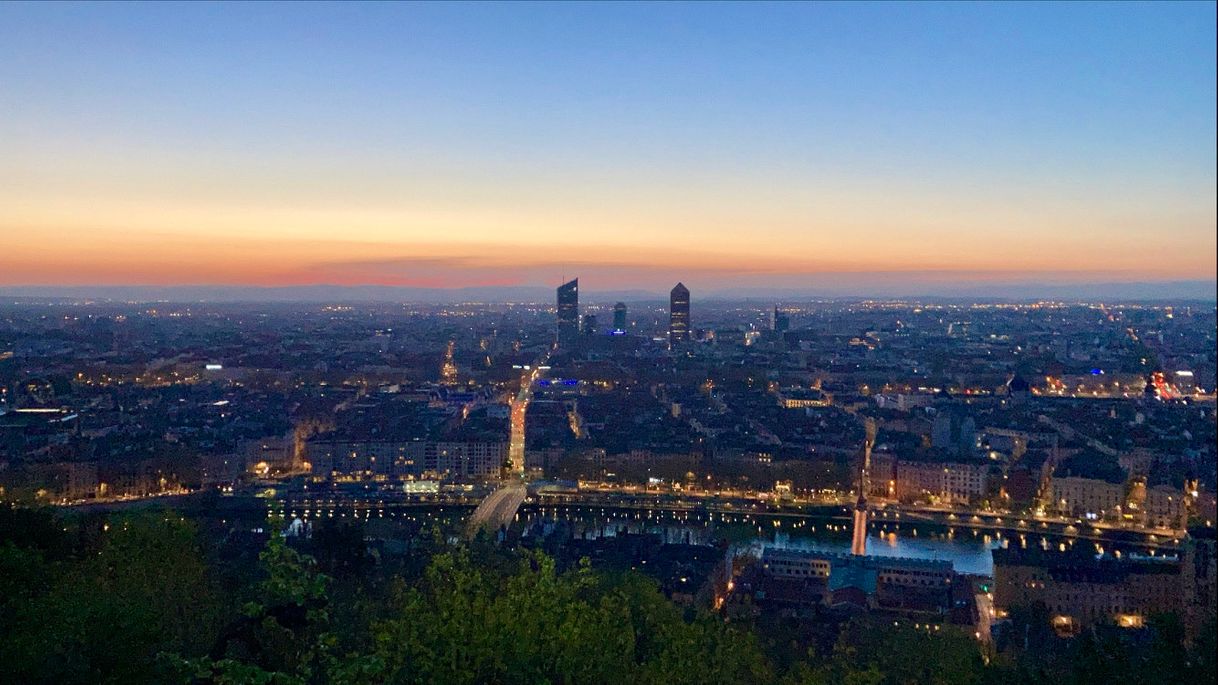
143, 600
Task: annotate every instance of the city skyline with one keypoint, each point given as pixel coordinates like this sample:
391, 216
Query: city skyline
762, 149
584, 342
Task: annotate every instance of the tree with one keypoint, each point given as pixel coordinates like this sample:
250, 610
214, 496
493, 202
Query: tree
103, 616
463, 624
280, 637
904, 655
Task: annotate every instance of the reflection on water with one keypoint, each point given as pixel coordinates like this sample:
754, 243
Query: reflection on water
967, 549
968, 553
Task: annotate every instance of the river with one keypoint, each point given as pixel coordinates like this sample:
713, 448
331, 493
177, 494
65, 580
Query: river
967, 549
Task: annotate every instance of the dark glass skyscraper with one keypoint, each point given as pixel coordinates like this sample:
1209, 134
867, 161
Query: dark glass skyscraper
678, 314
568, 311
782, 322
619, 317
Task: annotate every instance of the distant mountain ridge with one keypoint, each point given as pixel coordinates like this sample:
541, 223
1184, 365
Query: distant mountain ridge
1197, 290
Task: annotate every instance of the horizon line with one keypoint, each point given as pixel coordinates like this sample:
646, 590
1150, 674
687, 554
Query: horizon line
1190, 290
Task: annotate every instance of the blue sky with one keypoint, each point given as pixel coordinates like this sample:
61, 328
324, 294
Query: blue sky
1076, 134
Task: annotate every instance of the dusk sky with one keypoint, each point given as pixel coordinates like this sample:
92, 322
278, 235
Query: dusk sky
632, 145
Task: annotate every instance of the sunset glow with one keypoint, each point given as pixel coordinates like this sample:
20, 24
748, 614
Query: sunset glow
438, 146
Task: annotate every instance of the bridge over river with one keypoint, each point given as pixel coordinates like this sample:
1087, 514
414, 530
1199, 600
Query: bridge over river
499, 508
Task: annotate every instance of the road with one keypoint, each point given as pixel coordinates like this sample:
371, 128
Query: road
499, 508
520, 406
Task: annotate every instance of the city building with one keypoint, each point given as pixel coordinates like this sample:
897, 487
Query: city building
943, 482
908, 587
1200, 574
1158, 506
568, 311
782, 322
1090, 498
678, 314
1080, 590
802, 398
344, 459
954, 432
619, 318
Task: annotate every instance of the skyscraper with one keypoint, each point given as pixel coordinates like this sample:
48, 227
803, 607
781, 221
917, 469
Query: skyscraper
619, 317
781, 321
678, 314
568, 311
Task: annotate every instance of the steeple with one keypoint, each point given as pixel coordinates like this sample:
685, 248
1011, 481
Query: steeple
858, 543
448, 371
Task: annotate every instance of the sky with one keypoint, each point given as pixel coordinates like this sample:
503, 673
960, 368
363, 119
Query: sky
633, 145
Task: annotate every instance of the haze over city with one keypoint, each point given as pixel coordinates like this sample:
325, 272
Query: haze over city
823, 148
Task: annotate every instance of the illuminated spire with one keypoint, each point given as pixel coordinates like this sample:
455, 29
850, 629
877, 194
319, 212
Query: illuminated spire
448, 372
858, 543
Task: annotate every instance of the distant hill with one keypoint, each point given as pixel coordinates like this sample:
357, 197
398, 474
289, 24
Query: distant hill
820, 287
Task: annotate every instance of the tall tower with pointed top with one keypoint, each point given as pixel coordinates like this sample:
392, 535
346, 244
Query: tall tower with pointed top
858, 542
448, 372
568, 311
678, 314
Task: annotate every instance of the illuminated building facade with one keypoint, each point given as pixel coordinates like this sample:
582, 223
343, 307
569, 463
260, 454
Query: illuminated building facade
678, 314
568, 311
1080, 590
907, 586
1089, 498
403, 459
910, 480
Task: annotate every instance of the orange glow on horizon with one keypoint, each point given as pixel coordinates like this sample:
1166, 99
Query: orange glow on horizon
176, 260
94, 238
828, 147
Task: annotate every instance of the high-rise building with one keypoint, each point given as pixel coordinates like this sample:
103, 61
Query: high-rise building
782, 322
619, 317
589, 324
678, 314
568, 311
